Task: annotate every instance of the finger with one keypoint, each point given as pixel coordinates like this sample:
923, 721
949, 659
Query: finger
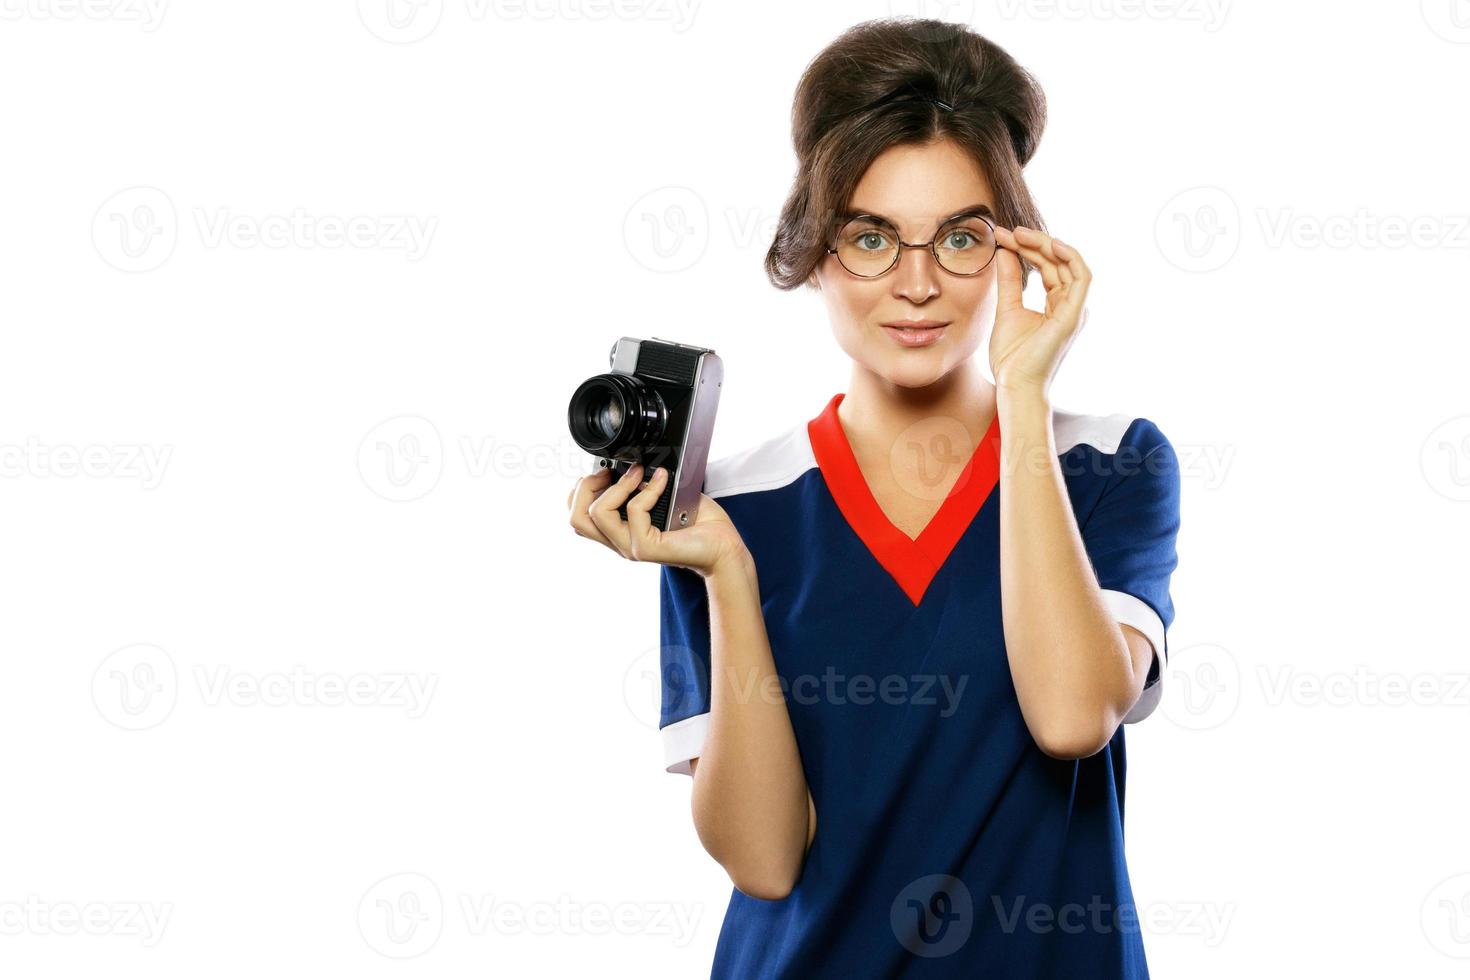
583, 494
581, 482
1045, 266
1070, 306
1044, 243
1030, 241
1072, 258
584, 490
604, 510
1008, 281
1076, 297
641, 532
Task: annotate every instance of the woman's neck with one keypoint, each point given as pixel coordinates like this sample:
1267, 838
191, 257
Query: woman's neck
874, 411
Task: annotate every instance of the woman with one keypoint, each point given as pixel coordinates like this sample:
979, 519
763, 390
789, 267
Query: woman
901, 638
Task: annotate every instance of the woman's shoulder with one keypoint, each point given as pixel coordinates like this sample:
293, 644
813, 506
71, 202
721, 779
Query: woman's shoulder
770, 464
1107, 434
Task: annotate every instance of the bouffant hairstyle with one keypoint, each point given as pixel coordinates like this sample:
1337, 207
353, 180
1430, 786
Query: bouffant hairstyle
896, 81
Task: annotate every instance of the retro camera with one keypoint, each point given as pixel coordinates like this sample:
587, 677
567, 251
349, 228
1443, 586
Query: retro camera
656, 407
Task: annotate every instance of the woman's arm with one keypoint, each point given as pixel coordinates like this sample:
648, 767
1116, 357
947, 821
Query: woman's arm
1077, 671
752, 808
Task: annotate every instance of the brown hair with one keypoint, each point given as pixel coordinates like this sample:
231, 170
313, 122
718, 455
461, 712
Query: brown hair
896, 81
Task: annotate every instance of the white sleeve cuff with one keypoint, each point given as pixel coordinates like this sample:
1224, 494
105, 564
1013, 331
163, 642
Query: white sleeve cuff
683, 740
1133, 611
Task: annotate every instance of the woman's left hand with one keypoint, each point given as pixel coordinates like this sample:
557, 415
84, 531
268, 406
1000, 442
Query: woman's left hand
1026, 347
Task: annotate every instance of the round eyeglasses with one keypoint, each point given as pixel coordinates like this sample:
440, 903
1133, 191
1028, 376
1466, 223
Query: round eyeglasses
868, 245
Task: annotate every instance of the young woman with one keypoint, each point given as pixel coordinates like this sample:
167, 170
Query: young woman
902, 637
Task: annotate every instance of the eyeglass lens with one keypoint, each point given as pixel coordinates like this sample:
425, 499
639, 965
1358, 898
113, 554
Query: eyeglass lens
963, 245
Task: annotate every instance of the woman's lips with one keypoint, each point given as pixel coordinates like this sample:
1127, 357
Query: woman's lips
915, 333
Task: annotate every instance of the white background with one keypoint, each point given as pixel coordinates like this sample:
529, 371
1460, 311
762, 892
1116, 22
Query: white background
359, 465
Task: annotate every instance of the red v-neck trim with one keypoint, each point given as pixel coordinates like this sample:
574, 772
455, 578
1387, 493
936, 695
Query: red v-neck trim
913, 562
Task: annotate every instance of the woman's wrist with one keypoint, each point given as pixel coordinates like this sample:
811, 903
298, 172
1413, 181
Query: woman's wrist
1021, 397
736, 566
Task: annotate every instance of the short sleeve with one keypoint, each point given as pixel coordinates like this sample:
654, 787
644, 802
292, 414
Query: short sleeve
1130, 538
684, 645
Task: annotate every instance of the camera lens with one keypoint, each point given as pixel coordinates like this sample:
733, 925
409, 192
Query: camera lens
608, 419
616, 415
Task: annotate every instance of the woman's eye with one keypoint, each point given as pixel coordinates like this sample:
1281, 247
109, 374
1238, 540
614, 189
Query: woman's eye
960, 239
872, 241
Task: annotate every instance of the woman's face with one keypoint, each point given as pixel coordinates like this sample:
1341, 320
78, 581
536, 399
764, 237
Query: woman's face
916, 188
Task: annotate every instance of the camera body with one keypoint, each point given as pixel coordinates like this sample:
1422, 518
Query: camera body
656, 406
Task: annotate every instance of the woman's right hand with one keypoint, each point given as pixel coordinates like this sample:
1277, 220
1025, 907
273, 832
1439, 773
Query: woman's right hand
711, 542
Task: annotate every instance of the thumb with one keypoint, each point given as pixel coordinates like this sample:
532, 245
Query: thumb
1008, 280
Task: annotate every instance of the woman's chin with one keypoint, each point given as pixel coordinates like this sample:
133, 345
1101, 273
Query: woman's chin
910, 369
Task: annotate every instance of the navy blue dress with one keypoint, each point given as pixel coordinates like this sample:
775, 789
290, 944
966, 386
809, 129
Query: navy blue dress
948, 844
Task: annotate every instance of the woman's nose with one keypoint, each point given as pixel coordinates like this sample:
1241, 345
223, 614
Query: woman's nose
917, 277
